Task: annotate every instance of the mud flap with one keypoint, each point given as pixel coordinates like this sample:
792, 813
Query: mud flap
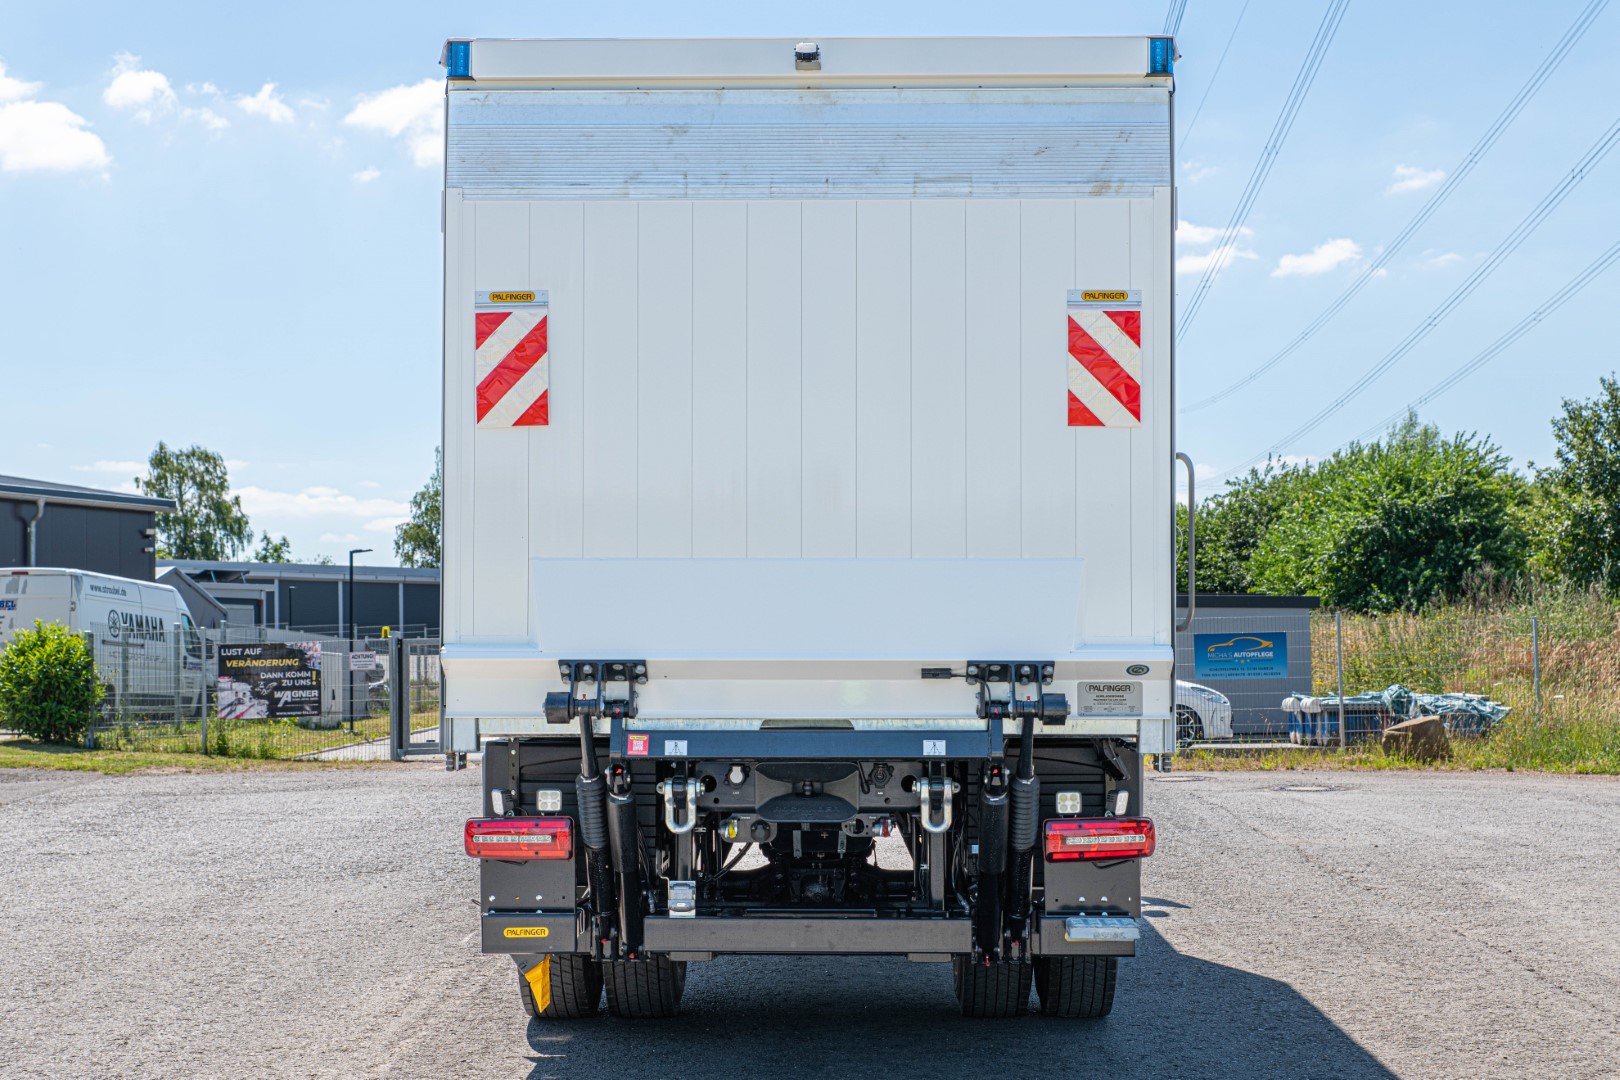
539, 980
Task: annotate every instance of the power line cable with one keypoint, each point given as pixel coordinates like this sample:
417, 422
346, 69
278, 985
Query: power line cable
1268, 155
1509, 244
1548, 64
1172, 17
1557, 300
1216, 75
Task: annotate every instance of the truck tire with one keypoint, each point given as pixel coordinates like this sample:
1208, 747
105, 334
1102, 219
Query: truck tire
995, 991
648, 989
576, 988
1076, 987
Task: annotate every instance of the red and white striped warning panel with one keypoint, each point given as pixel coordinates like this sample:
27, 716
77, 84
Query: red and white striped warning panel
1105, 358
511, 365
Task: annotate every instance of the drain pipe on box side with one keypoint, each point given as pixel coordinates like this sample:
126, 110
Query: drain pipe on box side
33, 539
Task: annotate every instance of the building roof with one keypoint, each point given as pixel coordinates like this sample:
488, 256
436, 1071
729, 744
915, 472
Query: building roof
15, 487
190, 590
1251, 600
256, 572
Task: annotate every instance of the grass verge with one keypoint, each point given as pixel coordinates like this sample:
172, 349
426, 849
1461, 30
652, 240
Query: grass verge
1578, 742
27, 754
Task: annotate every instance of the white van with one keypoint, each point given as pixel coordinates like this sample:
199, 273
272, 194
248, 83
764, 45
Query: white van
147, 649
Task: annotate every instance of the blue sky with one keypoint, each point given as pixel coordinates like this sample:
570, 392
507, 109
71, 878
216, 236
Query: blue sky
221, 227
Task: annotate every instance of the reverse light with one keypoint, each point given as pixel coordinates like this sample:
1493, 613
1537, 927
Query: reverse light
1068, 802
1099, 838
512, 839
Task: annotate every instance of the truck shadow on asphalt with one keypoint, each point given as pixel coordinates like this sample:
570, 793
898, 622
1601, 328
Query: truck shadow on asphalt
1174, 1015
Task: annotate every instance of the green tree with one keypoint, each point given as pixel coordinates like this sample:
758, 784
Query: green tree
416, 542
208, 521
49, 689
273, 550
1397, 523
1574, 520
1231, 525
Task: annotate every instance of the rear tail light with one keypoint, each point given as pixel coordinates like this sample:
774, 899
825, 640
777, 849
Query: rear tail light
515, 838
1099, 838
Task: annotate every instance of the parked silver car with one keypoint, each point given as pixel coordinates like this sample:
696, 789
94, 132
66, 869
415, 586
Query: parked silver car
1201, 713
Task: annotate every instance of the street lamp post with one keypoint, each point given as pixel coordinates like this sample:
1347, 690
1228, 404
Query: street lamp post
352, 553
352, 622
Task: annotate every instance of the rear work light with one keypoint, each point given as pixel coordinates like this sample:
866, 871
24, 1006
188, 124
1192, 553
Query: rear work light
517, 838
1099, 838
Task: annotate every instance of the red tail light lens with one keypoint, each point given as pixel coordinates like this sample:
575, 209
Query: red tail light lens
516, 838
1099, 838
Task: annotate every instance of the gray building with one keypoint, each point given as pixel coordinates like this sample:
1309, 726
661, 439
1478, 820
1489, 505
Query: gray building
314, 596
1254, 649
78, 528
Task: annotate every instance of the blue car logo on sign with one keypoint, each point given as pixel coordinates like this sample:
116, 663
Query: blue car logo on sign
1240, 656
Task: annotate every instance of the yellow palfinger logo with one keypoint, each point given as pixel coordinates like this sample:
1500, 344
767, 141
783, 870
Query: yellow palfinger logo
527, 931
511, 297
1091, 295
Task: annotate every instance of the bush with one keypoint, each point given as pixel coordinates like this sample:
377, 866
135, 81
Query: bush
49, 689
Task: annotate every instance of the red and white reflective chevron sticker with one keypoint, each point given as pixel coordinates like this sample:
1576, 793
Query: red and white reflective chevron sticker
511, 366
1105, 365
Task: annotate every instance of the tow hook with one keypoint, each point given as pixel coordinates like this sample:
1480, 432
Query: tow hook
935, 787
691, 789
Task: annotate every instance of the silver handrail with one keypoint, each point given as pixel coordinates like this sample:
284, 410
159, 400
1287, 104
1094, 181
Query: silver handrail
1192, 544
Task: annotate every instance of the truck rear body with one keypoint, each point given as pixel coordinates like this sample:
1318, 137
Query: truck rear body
807, 441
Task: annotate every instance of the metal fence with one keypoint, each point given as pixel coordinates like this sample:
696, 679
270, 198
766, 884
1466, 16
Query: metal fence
1559, 662
370, 699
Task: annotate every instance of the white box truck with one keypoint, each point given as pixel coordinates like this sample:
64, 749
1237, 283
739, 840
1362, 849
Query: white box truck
808, 496
148, 653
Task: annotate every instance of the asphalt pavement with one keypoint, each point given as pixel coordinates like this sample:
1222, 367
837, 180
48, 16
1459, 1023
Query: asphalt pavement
322, 923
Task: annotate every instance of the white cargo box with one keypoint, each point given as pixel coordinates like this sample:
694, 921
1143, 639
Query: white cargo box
791, 377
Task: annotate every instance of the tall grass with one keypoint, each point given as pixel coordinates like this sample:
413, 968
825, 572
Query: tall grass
1482, 646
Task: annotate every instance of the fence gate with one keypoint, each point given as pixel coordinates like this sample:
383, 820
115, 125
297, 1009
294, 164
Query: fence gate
414, 697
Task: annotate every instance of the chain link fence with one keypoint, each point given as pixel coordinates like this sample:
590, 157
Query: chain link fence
255, 692
1553, 664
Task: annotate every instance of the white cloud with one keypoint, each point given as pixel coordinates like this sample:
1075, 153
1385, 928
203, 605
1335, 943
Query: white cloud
266, 103
340, 538
318, 501
1413, 178
47, 135
1439, 260
1189, 235
1193, 172
12, 89
1202, 473
207, 117
137, 88
122, 467
1198, 262
366, 175
1328, 255
414, 112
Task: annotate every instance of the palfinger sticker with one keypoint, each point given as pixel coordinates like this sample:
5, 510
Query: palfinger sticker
511, 359
1105, 357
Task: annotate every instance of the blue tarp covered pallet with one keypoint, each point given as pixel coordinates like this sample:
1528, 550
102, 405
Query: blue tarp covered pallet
1316, 720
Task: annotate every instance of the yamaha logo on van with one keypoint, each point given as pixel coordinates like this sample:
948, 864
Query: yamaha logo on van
135, 629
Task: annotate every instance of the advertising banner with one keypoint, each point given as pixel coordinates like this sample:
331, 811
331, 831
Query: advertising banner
269, 680
1240, 656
